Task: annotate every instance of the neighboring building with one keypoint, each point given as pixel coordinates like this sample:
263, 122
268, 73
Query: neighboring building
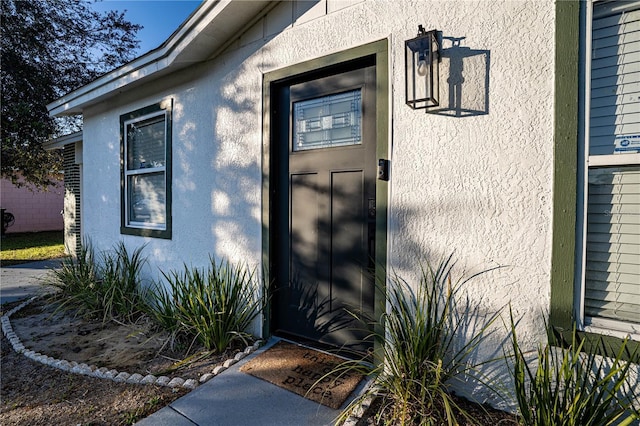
72, 164
255, 133
33, 209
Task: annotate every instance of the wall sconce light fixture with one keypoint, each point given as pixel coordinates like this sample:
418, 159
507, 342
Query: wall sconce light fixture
422, 56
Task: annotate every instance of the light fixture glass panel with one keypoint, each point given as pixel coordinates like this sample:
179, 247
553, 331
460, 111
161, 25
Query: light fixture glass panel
329, 121
422, 70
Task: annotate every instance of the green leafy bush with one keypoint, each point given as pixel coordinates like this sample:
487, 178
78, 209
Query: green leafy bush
214, 305
568, 387
106, 286
422, 349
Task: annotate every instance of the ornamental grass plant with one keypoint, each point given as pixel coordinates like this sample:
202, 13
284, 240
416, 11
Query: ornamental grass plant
105, 286
122, 293
566, 386
215, 305
75, 281
423, 346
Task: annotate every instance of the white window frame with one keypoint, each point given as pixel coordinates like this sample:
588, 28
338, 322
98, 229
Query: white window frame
595, 325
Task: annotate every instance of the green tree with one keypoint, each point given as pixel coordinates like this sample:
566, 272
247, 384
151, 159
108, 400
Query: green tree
49, 48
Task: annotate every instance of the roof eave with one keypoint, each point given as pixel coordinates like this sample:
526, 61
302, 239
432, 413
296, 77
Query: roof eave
207, 30
60, 142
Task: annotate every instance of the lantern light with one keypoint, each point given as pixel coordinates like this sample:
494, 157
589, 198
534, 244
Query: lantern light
422, 56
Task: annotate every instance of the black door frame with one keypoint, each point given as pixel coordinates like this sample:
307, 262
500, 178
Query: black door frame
377, 53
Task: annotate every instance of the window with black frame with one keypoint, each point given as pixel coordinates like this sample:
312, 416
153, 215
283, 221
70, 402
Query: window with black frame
146, 155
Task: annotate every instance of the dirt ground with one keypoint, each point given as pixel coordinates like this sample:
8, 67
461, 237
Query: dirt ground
35, 394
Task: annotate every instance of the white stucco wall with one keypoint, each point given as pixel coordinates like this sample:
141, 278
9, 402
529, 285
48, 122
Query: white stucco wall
474, 179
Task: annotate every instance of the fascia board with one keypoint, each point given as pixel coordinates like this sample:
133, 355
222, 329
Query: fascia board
206, 30
62, 141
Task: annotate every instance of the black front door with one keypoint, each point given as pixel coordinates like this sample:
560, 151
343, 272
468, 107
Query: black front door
325, 238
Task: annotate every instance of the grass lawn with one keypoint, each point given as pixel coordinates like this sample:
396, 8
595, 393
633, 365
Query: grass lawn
29, 246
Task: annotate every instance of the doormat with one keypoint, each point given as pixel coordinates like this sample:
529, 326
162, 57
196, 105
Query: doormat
297, 369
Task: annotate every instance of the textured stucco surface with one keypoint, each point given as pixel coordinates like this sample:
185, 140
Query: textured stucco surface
473, 179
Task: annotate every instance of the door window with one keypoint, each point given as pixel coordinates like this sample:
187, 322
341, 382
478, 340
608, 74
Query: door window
328, 121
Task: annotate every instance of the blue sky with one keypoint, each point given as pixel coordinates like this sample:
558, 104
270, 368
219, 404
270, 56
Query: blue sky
160, 18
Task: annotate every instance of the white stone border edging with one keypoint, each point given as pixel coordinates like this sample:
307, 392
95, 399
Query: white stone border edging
105, 373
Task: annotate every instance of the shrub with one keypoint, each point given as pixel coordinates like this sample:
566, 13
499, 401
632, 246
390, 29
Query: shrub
106, 288
75, 282
420, 353
214, 305
122, 295
569, 387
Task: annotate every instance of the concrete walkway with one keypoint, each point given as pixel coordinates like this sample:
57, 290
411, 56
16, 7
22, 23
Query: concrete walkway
24, 280
234, 398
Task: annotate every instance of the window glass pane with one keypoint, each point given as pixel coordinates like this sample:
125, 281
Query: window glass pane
329, 121
146, 143
615, 72
613, 244
147, 197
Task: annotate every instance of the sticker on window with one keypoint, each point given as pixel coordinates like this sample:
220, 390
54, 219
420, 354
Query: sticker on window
627, 144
